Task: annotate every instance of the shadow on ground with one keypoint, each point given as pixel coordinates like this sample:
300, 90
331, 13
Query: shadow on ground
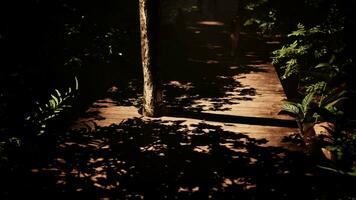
157, 159
197, 68
204, 71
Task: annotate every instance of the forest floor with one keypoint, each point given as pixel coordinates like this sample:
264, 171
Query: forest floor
220, 138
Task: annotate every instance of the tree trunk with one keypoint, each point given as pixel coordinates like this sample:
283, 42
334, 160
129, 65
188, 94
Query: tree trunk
149, 20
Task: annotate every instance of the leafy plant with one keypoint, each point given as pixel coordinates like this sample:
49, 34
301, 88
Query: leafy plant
314, 108
57, 103
303, 111
266, 23
331, 102
344, 149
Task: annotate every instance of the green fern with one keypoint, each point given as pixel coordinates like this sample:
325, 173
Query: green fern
57, 103
318, 87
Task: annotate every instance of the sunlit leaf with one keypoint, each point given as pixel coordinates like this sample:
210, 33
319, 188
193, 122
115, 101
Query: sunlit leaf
76, 83
306, 101
322, 65
291, 108
55, 100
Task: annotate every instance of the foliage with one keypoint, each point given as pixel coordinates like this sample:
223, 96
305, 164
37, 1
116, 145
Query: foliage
279, 17
344, 149
37, 121
311, 54
317, 55
172, 10
301, 111
261, 16
316, 108
57, 103
45, 44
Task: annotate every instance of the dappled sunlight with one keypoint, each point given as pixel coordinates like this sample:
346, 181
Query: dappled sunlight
212, 62
178, 84
211, 23
165, 156
234, 67
104, 113
177, 100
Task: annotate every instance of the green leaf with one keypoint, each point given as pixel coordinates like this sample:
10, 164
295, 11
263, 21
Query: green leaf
332, 169
306, 101
332, 59
59, 96
291, 108
52, 104
58, 93
353, 172
335, 102
322, 65
300, 32
55, 100
76, 83
332, 97
16, 141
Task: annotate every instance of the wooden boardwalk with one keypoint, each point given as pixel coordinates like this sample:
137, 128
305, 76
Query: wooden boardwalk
219, 138
242, 94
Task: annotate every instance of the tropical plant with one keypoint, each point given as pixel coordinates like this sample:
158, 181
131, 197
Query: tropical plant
311, 112
311, 53
302, 112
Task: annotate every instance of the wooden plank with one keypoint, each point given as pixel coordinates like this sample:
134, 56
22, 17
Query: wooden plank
257, 116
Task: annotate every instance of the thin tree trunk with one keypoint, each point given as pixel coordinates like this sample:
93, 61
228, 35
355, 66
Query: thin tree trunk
152, 95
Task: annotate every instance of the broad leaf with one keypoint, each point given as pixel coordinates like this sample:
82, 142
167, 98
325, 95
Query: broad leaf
306, 102
291, 108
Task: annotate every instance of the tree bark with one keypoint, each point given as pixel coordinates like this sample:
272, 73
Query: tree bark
149, 20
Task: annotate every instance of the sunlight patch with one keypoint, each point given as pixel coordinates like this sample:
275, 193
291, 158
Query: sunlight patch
154, 147
92, 160
178, 84
234, 67
211, 23
212, 62
186, 189
202, 149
